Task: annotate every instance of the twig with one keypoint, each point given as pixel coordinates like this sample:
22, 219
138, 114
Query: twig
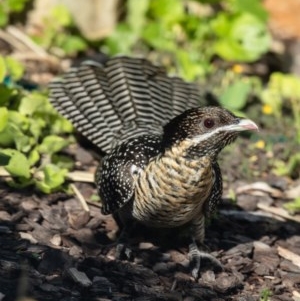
80, 198
25, 40
289, 255
279, 212
81, 176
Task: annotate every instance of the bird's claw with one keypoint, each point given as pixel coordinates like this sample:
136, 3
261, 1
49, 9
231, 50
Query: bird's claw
196, 256
123, 252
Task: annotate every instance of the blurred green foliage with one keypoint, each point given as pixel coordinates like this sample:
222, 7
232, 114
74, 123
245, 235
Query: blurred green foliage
7, 7
29, 129
58, 35
193, 32
283, 92
293, 206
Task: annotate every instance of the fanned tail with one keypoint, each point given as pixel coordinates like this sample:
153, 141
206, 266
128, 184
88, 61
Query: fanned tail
123, 98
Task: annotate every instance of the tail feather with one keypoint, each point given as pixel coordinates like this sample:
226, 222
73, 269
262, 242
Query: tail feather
123, 98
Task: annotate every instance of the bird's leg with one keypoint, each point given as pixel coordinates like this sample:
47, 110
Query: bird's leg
197, 249
122, 249
126, 225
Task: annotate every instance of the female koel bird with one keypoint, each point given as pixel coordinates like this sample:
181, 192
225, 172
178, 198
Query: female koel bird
160, 167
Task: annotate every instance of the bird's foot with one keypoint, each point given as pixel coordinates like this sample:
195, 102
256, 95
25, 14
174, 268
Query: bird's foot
123, 252
196, 255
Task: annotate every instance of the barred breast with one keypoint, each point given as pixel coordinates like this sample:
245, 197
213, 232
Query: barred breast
171, 190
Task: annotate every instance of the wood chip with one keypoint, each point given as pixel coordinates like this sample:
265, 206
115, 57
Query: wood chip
279, 212
293, 192
289, 255
28, 236
56, 240
80, 198
259, 188
81, 176
79, 277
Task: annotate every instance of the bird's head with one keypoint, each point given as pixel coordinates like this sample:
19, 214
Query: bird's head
206, 130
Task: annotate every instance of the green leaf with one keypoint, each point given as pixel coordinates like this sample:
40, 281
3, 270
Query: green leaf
235, 96
31, 103
14, 67
126, 35
16, 5
21, 122
53, 179
293, 206
6, 137
61, 15
18, 165
4, 159
253, 7
3, 118
33, 157
136, 15
2, 68
62, 161
156, 37
61, 125
72, 44
246, 39
166, 11
52, 144
3, 16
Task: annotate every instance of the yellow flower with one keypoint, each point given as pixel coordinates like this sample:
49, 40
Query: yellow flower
237, 68
260, 144
267, 109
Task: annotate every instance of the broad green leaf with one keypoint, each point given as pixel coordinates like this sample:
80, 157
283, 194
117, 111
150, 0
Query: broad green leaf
23, 142
18, 165
16, 5
14, 67
73, 44
166, 11
2, 69
33, 157
3, 118
253, 7
52, 144
3, 16
235, 96
61, 15
19, 120
6, 137
246, 39
136, 15
158, 38
4, 159
61, 125
54, 177
126, 35
31, 103
62, 161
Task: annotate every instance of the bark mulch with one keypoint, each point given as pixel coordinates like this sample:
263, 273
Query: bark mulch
51, 249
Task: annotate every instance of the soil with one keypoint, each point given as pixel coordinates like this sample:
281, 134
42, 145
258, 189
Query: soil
51, 249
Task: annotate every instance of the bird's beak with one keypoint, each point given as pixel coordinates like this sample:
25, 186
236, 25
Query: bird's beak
243, 125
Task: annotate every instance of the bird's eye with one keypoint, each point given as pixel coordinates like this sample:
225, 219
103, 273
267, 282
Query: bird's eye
209, 123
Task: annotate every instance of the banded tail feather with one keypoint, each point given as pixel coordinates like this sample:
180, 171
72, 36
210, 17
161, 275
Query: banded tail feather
123, 98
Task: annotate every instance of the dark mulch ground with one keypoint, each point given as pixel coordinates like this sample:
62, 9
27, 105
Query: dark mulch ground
51, 249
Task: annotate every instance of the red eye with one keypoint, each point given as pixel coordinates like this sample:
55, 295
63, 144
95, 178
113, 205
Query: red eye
209, 123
